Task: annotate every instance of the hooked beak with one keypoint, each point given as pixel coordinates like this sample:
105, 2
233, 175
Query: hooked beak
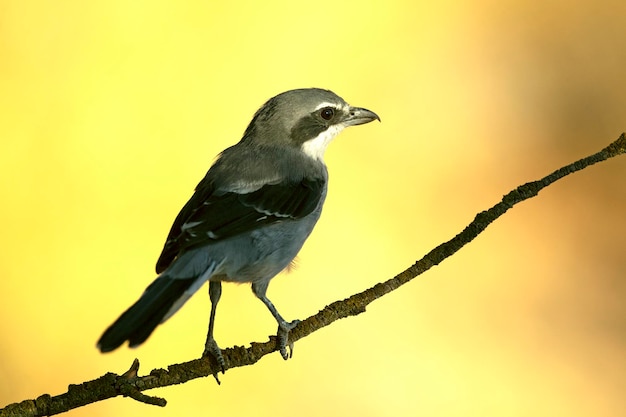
359, 116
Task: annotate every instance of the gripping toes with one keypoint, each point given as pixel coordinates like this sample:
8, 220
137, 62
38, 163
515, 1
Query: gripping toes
283, 338
211, 348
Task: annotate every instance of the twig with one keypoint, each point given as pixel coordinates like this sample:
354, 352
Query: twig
130, 384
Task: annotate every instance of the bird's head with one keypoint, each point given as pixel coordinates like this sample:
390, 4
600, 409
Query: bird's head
308, 119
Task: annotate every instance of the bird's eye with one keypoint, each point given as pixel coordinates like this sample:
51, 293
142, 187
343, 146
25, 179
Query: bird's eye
327, 113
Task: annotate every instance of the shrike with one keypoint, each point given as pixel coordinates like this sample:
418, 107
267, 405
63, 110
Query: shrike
248, 217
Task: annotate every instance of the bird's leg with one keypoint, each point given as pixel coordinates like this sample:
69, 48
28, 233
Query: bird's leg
211, 347
283, 326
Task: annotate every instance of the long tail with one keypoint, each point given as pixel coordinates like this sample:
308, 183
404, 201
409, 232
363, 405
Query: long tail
154, 306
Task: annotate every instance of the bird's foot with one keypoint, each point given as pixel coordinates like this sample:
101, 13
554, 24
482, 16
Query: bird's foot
283, 338
213, 350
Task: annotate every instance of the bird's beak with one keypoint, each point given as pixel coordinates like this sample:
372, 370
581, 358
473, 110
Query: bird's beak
359, 116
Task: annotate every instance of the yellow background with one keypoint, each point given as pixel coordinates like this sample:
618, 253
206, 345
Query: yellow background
111, 112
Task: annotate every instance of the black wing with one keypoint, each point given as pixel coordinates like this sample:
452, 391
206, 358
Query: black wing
211, 215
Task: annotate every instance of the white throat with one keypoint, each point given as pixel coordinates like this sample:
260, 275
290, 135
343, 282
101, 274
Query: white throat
316, 147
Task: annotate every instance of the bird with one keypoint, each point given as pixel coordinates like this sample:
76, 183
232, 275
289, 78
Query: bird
248, 217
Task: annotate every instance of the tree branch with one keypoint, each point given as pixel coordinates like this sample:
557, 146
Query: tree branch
131, 385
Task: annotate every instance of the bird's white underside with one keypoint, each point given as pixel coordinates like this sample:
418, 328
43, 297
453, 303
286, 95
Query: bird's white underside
316, 147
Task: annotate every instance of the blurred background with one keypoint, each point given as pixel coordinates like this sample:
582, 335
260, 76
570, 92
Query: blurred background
112, 111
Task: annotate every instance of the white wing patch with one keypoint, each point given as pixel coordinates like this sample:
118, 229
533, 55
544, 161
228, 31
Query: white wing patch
316, 147
190, 225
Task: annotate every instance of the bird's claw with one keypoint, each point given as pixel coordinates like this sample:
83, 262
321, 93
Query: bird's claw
212, 349
283, 338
